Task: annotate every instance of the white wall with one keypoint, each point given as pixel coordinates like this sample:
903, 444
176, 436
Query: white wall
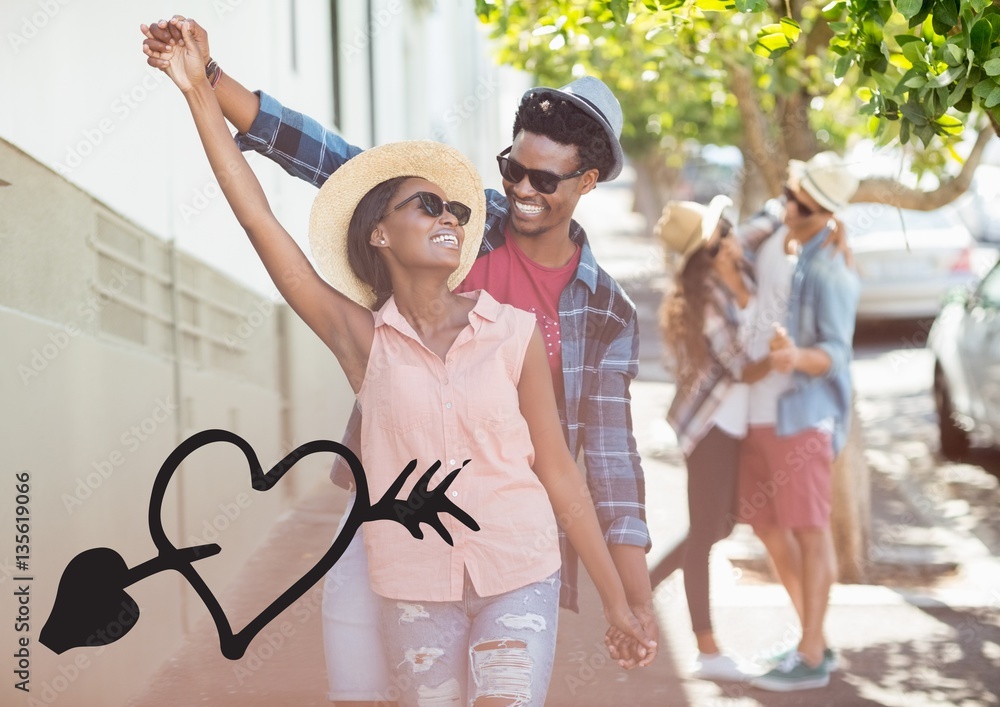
79, 97
101, 154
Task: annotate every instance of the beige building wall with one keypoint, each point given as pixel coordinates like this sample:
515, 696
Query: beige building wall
95, 398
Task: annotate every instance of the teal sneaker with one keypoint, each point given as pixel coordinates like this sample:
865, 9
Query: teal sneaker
829, 659
792, 674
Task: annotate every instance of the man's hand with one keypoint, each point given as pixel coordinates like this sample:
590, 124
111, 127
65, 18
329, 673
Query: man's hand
163, 36
785, 360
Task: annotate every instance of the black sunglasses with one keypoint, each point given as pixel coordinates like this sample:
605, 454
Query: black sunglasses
542, 181
804, 209
724, 228
434, 205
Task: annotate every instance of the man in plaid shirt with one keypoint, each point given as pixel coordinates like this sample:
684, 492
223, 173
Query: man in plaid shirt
535, 257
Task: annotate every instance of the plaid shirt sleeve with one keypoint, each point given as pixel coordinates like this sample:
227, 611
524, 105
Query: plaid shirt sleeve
302, 146
723, 340
755, 230
614, 471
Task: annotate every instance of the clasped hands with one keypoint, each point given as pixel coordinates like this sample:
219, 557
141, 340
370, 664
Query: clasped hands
784, 356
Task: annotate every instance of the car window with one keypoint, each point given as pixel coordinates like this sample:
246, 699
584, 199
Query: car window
862, 219
989, 289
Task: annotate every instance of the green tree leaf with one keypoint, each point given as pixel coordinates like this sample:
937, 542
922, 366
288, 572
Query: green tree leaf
993, 99
619, 8
992, 67
909, 8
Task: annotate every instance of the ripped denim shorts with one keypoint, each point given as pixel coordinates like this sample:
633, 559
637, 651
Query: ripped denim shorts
455, 652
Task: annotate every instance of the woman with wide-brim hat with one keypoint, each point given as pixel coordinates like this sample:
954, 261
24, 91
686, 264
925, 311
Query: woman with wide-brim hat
442, 377
705, 319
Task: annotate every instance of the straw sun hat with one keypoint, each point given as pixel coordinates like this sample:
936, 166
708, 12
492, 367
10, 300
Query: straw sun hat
686, 226
339, 197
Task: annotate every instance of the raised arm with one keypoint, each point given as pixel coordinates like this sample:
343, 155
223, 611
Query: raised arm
567, 491
303, 147
343, 325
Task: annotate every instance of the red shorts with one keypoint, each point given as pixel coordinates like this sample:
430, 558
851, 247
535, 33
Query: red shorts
785, 481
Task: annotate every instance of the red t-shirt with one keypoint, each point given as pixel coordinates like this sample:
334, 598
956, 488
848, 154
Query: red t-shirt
511, 277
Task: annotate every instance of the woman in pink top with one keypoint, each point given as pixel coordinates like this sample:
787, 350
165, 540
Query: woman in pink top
455, 380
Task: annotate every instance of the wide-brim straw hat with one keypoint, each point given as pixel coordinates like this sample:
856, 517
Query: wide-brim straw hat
686, 226
339, 197
826, 179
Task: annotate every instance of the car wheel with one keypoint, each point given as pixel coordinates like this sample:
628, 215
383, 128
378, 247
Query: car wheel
954, 439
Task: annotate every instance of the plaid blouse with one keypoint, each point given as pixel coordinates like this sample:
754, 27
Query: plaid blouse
693, 409
600, 342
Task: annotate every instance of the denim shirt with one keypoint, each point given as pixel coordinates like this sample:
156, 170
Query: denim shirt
821, 311
600, 341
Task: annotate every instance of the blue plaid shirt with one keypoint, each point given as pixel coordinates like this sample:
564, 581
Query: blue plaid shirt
600, 341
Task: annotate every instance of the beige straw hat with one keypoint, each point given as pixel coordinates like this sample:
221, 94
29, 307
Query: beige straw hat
686, 226
339, 197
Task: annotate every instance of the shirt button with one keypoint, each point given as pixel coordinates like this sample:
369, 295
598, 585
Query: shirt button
448, 405
454, 493
446, 381
452, 462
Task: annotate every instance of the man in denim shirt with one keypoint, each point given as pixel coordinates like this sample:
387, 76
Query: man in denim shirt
800, 411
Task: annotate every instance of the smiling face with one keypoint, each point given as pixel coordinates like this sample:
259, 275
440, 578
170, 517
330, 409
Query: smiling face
415, 238
533, 214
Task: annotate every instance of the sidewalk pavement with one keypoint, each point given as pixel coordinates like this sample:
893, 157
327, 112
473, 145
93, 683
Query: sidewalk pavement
897, 647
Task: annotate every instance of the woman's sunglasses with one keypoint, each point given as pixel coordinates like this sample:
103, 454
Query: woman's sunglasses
434, 205
724, 228
541, 181
804, 209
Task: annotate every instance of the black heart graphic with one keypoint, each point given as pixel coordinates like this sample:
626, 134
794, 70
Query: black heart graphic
93, 582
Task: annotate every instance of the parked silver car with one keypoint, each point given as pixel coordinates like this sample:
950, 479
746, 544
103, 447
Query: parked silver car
906, 271
965, 340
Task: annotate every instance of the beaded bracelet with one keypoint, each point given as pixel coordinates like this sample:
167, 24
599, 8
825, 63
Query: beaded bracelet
213, 72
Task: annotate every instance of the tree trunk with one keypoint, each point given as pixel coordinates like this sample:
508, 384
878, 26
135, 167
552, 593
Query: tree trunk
851, 516
654, 186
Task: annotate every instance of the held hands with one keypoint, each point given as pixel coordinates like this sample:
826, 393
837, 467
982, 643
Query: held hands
163, 36
185, 64
784, 353
631, 638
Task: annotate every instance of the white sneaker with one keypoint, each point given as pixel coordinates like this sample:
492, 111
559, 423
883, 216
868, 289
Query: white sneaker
716, 666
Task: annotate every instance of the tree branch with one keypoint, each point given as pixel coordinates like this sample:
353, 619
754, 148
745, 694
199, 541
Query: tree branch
889, 191
759, 148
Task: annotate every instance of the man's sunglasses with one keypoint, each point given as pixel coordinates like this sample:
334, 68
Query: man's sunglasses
541, 181
804, 209
434, 205
724, 228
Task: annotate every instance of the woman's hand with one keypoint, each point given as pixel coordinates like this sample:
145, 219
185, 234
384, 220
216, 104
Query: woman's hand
185, 63
163, 36
627, 641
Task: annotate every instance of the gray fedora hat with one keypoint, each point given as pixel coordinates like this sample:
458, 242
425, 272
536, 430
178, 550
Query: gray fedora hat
593, 97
